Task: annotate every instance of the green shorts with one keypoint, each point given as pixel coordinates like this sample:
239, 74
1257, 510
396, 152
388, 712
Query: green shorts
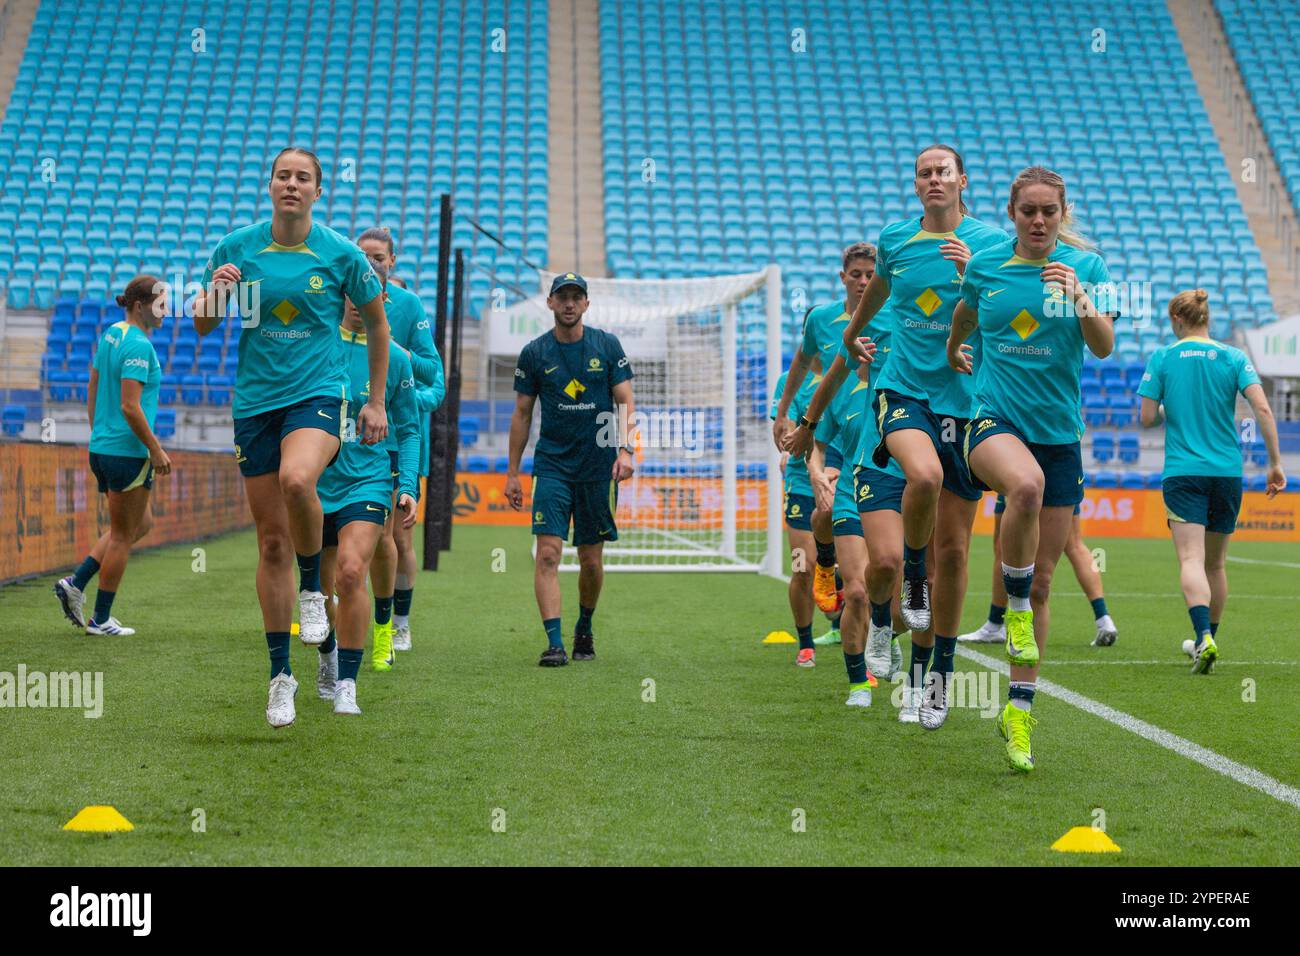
798, 511
258, 437
895, 413
589, 504
334, 521
1062, 465
1201, 499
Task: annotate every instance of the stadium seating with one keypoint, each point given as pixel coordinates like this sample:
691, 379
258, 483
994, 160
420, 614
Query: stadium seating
727, 149
121, 201
1264, 36
15, 416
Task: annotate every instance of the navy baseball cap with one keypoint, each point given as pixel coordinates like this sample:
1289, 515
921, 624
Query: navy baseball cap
568, 278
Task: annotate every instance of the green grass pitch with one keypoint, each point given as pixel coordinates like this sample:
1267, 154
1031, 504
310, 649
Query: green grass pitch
575, 766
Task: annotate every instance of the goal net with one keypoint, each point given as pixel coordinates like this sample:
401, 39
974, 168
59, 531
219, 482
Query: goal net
705, 352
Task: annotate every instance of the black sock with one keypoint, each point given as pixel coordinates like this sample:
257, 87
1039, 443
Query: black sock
584, 620
826, 554
805, 637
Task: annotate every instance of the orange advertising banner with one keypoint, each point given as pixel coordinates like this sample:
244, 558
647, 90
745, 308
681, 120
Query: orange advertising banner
51, 511
1140, 513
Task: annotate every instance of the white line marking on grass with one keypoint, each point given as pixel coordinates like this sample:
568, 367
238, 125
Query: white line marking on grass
1157, 594
1187, 663
1179, 745
1271, 564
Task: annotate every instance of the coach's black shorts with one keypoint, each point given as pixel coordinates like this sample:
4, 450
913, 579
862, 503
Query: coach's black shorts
118, 473
589, 504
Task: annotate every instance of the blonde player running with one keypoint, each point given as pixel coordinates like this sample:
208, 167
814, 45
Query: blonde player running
1030, 300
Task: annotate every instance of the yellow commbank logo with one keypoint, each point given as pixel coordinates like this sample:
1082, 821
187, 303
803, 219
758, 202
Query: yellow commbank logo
1024, 324
928, 301
574, 389
286, 311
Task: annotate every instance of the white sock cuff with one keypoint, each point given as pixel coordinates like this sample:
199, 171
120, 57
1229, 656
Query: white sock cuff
1011, 572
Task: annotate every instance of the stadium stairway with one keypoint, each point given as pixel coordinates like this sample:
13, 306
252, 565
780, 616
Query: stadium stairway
576, 211
1232, 113
16, 18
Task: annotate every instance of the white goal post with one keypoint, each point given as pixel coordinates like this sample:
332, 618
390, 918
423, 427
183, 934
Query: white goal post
706, 354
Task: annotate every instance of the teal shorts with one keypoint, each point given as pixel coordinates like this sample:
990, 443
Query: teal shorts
798, 511
589, 504
895, 413
1202, 499
844, 516
119, 473
334, 521
258, 437
876, 490
1062, 465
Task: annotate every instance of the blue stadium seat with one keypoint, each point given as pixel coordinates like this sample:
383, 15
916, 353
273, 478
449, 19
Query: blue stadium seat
15, 416
1122, 409
220, 389
1132, 479
1129, 449
1154, 480
1105, 479
192, 389
165, 423
478, 464
1103, 447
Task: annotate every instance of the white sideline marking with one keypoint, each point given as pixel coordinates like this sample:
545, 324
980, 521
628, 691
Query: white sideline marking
1271, 564
1179, 745
1158, 594
1057, 662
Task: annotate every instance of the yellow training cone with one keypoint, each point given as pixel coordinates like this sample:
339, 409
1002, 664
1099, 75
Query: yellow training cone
780, 637
1085, 840
98, 820
293, 628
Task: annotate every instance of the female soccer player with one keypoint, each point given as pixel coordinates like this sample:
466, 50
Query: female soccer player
921, 405
1029, 298
124, 451
1196, 380
821, 340
994, 631
355, 493
392, 572
800, 509
290, 390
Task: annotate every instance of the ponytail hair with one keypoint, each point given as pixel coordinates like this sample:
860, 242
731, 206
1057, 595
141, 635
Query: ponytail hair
143, 288
1192, 308
1068, 233
961, 167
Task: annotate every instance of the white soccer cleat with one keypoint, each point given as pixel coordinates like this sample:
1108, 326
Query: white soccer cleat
934, 701
859, 698
986, 633
110, 627
345, 699
1189, 648
1107, 633
909, 713
279, 704
313, 625
73, 601
878, 649
916, 604
401, 637
327, 675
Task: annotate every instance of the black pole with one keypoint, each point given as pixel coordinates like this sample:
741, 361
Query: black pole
442, 456
453, 390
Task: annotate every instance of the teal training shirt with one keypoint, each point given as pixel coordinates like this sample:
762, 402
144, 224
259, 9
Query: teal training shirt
409, 326
427, 399
574, 384
362, 473
289, 349
123, 351
1032, 343
823, 331
881, 331
797, 481
841, 426
923, 291
1198, 380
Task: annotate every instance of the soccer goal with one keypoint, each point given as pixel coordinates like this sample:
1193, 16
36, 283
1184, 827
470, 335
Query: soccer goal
706, 494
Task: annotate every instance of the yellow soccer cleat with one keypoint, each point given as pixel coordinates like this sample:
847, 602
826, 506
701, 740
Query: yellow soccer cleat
1022, 649
824, 589
382, 656
1014, 725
